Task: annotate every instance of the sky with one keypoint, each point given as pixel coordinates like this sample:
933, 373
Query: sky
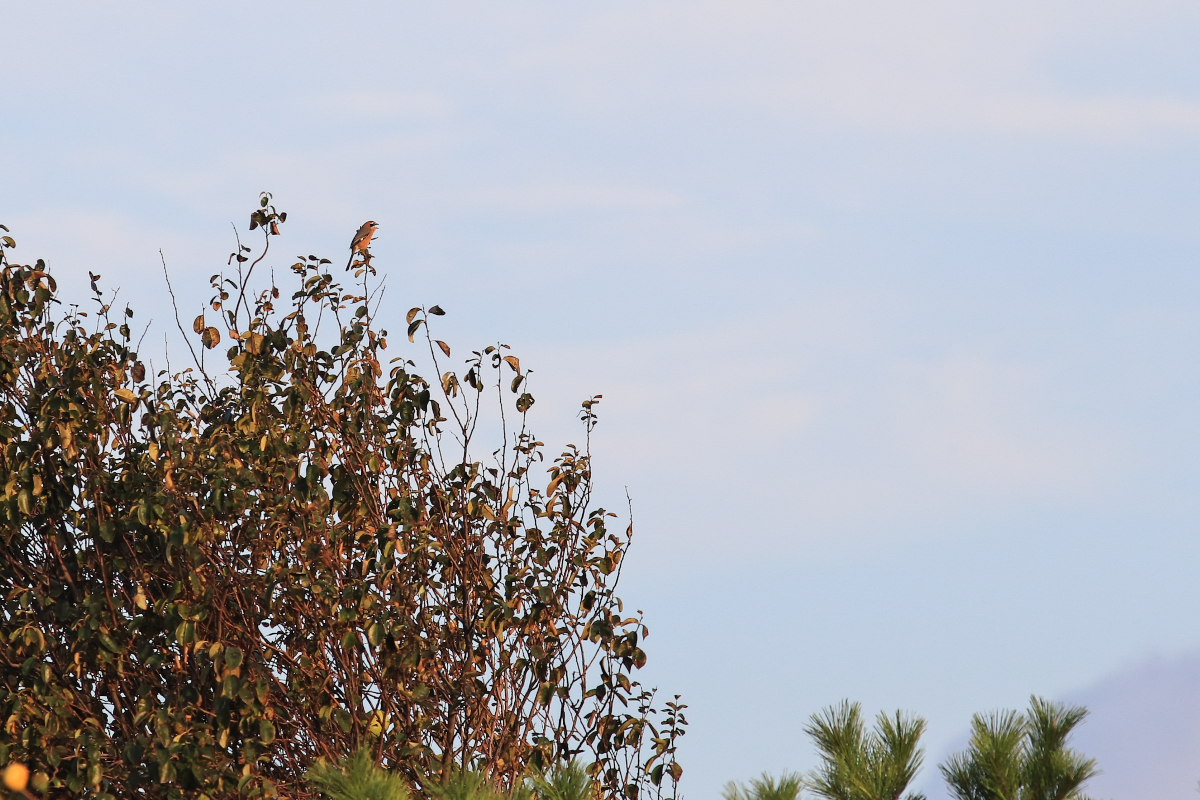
894, 307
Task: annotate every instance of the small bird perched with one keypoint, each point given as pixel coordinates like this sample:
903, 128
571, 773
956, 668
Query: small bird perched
362, 240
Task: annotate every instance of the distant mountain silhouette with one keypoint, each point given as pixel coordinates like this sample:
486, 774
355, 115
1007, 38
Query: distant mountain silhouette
1144, 729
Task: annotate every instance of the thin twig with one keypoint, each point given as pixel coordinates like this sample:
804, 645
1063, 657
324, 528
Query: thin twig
178, 324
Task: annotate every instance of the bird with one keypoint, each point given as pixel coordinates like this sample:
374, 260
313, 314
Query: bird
362, 240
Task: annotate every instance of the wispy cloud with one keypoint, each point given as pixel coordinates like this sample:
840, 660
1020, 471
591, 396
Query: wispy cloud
374, 103
766, 412
879, 67
572, 196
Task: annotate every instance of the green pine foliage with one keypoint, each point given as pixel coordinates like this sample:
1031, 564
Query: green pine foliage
472, 784
1014, 756
565, 781
1011, 756
358, 778
861, 764
767, 787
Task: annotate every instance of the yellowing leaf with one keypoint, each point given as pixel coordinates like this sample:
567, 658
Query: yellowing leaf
379, 723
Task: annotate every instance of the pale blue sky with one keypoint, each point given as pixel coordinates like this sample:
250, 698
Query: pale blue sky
895, 308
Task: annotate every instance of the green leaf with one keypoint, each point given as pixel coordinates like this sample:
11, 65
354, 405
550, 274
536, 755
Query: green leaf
25, 502
110, 644
266, 731
185, 632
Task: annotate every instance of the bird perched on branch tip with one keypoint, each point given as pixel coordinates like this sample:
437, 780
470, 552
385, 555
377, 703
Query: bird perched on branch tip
362, 240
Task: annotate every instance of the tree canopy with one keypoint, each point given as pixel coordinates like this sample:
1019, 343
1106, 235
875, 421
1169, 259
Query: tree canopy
217, 576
